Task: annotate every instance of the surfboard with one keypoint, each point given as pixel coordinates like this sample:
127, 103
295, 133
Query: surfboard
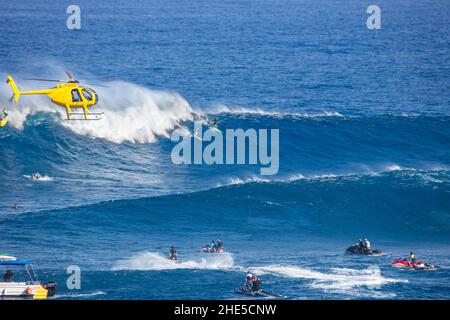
197, 137
214, 128
3, 122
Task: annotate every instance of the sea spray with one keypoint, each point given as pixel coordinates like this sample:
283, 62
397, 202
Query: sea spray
155, 261
132, 113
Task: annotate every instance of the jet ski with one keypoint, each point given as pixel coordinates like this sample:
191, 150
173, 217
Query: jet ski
174, 260
418, 265
207, 249
357, 249
253, 293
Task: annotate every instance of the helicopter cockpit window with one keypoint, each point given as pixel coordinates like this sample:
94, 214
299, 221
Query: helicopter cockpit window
87, 94
76, 96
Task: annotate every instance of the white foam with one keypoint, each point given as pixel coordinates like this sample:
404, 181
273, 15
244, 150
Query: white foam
132, 113
290, 178
79, 295
341, 279
236, 180
155, 261
366, 171
393, 167
223, 109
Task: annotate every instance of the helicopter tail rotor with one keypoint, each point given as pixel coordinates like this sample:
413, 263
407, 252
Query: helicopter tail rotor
16, 92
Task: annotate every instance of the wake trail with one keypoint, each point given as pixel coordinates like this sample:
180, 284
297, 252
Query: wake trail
154, 261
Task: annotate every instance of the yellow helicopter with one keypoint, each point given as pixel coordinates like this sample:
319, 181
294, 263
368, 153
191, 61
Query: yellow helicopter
67, 94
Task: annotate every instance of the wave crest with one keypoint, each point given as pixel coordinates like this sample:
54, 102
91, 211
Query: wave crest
341, 280
223, 109
132, 113
135, 114
155, 261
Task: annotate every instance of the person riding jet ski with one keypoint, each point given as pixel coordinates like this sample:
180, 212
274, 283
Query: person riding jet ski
173, 253
412, 257
367, 245
251, 284
219, 245
216, 246
256, 283
362, 248
212, 246
252, 287
249, 280
411, 262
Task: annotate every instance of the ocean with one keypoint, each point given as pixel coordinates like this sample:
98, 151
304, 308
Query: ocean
364, 140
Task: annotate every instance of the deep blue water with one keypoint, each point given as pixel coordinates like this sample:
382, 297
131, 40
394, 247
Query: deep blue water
364, 124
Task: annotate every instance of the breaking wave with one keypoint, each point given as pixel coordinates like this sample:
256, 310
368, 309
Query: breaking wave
132, 113
223, 109
155, 261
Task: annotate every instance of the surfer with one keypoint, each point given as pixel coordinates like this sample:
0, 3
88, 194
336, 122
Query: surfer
36, 176
214, 122
173, 255
4, 118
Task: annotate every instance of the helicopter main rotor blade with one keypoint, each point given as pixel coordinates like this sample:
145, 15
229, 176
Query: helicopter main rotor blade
71, 79
98, 85
38, 79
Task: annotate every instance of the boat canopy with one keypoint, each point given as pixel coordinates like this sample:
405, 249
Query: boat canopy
15, 262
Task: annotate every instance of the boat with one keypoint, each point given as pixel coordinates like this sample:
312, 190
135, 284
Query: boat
358, 250
6, 256
29, 289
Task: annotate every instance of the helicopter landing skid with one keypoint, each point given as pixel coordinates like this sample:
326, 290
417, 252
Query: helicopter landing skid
90, 116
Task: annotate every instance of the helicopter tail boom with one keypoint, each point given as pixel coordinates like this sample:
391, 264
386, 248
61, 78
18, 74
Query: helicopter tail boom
13, 85
17, 93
